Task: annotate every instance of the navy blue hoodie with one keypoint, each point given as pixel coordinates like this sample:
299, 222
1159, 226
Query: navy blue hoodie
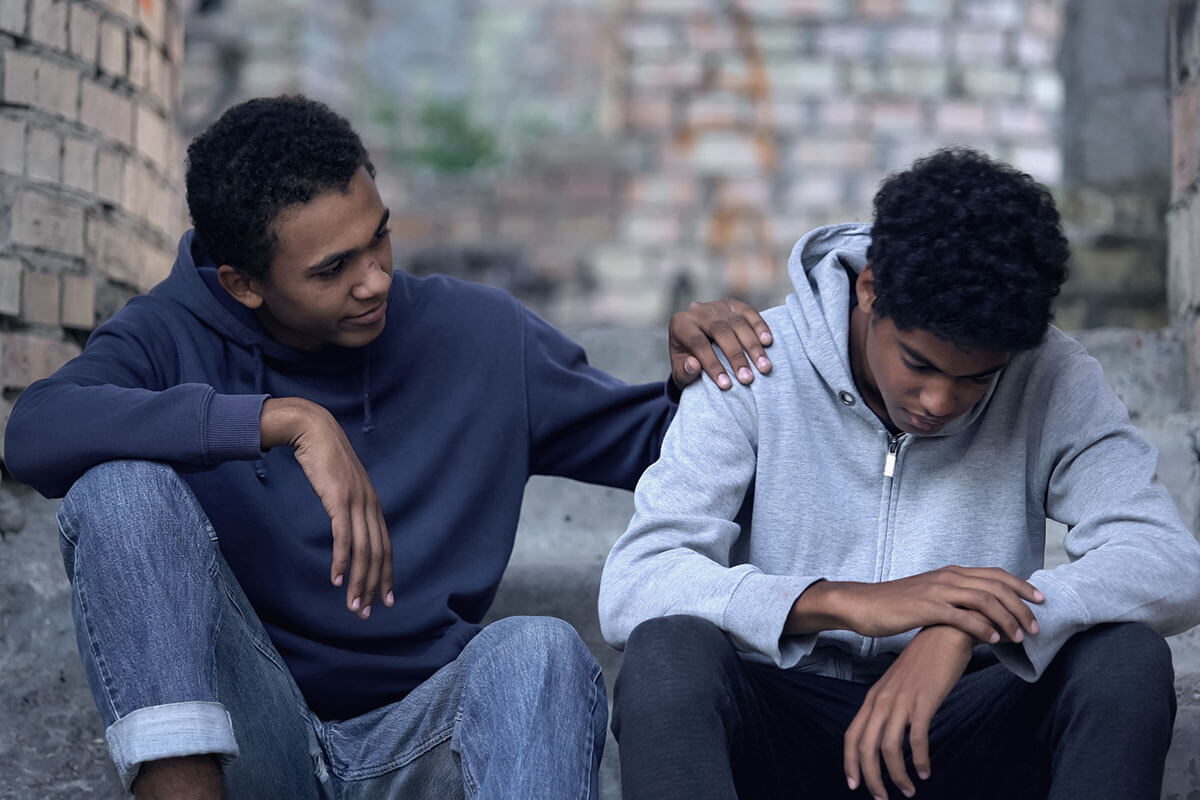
463, 396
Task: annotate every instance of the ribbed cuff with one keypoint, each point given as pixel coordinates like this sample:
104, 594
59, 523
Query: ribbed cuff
169, 731
1060, 616
758, 609
231, 427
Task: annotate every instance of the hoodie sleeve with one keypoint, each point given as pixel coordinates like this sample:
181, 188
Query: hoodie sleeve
675, 557
122, 398
585, 424
1131, 559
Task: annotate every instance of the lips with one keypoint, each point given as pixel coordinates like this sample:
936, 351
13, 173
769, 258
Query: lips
369, 317
925, 424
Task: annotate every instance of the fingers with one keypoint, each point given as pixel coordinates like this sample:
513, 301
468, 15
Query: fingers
918, 742
385, 576
762, 331
340, 525
892, 747
998, 599
357, 599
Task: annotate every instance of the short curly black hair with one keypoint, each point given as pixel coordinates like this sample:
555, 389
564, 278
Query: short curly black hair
969, 249
259, 158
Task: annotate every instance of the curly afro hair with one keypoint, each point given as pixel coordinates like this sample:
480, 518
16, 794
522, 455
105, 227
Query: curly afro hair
968, 249
259, 158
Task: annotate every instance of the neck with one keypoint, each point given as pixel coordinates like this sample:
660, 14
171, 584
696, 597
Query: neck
860, 322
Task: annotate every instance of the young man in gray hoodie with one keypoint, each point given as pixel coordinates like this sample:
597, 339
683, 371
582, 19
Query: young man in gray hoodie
845, 594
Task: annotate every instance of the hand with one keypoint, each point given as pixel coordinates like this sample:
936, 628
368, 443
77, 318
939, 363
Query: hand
984, 602
735, 327
344, 488
905, 698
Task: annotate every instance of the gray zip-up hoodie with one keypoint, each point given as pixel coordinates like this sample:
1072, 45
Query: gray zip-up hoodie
803, 450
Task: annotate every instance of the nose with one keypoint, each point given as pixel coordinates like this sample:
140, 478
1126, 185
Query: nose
374, 280
938, 398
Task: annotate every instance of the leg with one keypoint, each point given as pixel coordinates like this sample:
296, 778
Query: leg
177, 661
519, 714
1112, 715
696, 721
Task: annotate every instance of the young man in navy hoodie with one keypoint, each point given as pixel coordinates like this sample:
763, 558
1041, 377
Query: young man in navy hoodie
284, 395
844, 593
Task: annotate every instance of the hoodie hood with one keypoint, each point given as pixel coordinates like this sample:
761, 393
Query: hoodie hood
822, 267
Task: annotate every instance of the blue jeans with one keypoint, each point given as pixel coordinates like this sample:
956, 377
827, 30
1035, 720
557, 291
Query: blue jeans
179, 664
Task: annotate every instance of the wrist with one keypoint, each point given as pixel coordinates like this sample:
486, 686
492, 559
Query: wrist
820, 607
283, 419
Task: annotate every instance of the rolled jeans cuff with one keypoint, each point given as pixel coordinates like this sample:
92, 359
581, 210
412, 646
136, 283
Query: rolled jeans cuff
170, 731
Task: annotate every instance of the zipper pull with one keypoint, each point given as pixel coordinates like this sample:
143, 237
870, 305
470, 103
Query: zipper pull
889, 463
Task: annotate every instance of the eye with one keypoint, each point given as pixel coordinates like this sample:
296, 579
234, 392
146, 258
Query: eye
984, 381
329, 274
915, 367
381, 237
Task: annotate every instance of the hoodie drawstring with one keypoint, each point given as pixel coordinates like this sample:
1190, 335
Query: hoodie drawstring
368, 423
260, 466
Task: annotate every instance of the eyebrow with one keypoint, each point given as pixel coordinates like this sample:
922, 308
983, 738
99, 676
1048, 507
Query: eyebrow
925, 362
331, 259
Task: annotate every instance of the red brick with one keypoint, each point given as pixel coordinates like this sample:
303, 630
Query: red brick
78, 302
28, 358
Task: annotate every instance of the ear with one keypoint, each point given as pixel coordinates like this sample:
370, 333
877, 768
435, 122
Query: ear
246, 290
864, 288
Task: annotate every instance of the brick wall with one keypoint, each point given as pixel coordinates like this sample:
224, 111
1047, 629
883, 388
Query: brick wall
1183, 220
655, 150
90, 170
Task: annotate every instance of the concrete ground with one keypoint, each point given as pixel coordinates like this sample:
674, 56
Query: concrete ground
51, 741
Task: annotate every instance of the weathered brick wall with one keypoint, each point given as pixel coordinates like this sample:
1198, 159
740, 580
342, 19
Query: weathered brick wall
1183, 220
90, 169
655, 150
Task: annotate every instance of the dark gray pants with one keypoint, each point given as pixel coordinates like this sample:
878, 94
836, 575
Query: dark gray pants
696, 721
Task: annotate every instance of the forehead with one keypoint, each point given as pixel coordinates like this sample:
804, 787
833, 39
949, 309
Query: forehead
947, 357
333, 221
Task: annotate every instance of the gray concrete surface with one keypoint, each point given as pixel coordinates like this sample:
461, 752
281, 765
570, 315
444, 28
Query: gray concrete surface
51, 742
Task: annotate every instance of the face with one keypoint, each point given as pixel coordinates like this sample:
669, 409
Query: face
329, 280
914, 380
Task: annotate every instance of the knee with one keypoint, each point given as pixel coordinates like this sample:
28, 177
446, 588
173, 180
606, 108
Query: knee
1121, 667
676, 659
538, 647
127, 507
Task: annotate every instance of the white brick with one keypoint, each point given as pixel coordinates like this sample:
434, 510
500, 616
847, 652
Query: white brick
10, 287
43, 155
78, 302
1003, 14
79, 164
724, 152
110, 176
988, 82
840, 153
12, 16
1046, 89
47, 223
39, 298
922, 43
922, 80
112, 48
139, 62
153, 137
48, 23
30, 80
12, 146
85, 31
979, 47
107, 112
1043, 163
816, 76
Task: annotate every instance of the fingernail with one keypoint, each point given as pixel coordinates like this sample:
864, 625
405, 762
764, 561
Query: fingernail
366, 612
907, 792
853, 784
723, 381
745, 375
765, 338
690, 367
1034, 628
1020, 636
994, 638
391, 598
764, 363
1039, 596
878, 797
923, 775
337, 580
354, 604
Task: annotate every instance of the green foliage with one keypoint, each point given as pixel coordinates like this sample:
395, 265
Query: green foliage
442, 137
